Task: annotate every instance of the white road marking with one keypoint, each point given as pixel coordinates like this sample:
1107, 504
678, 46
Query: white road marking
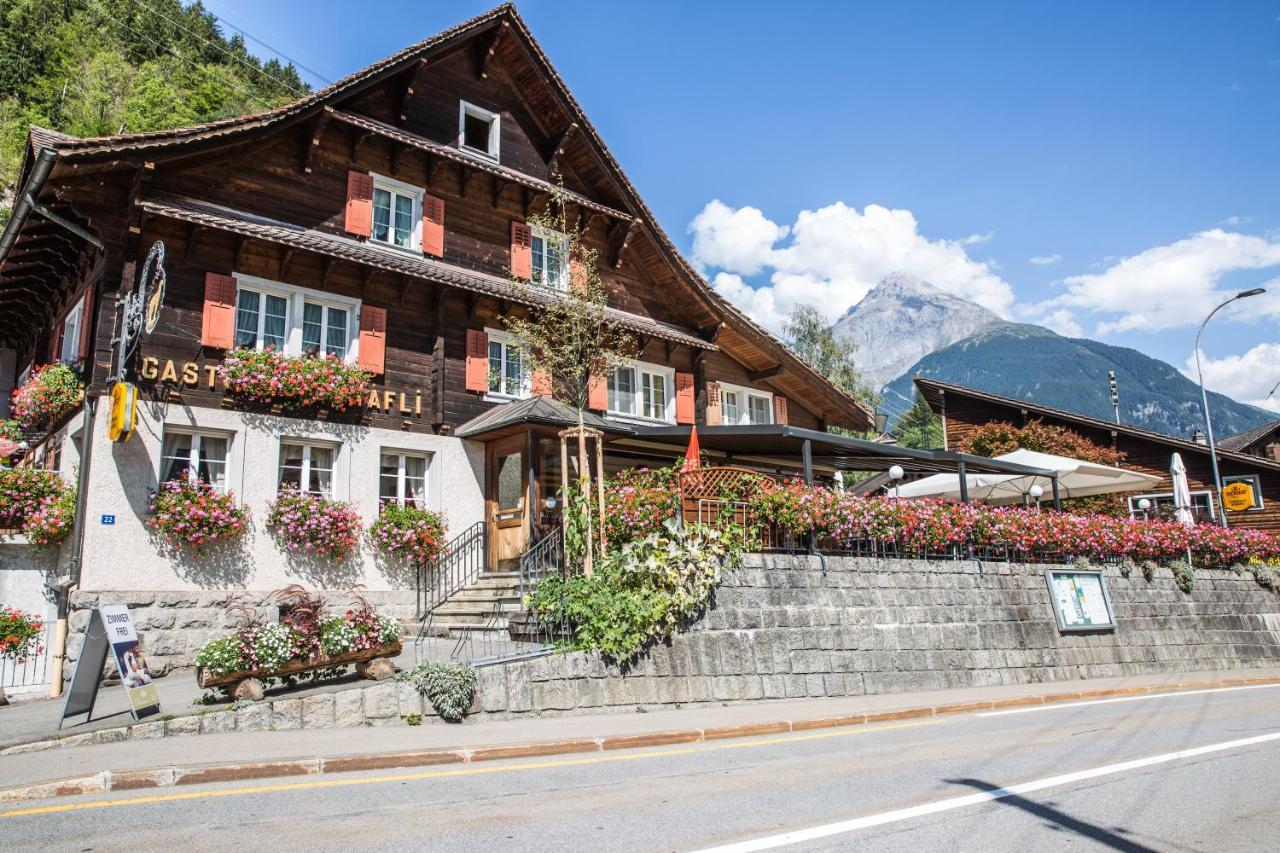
1062, 706
827, 830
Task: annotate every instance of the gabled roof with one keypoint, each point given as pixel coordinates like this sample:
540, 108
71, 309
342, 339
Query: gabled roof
831, 398
933, 391
1247, 439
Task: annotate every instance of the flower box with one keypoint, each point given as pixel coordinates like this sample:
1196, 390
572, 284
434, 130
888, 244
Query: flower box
207, 679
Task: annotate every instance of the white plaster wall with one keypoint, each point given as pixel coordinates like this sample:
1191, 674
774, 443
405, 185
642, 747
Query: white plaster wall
125, 556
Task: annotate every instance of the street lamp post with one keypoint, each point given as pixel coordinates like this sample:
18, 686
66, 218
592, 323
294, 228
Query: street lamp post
1204, 397
895, 476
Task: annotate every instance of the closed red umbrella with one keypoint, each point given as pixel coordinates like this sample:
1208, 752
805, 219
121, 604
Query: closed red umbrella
693, 456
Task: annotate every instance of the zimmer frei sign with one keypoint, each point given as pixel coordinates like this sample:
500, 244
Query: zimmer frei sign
111, 629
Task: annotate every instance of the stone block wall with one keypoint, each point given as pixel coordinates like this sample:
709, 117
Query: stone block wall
778, 628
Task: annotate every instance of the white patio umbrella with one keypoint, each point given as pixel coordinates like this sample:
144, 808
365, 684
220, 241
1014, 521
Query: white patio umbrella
1181, 490
1076, 479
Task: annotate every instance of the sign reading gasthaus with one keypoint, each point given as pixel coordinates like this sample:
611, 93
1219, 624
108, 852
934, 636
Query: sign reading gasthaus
1080, 600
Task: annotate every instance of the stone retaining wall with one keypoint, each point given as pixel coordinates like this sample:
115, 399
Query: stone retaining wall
779, 628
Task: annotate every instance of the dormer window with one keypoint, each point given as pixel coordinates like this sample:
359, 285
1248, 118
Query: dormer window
478, 131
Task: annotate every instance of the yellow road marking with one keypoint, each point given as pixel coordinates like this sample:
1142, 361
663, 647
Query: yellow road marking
471, 770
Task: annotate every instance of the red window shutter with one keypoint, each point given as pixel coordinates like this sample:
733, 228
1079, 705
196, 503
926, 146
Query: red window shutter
577, 275
521, 250
541, 383
433, 226
779, 409
598, 394
218, 327
477, 361
86, 324
373, 339
714, 418
55, 342
359, 220
684, 398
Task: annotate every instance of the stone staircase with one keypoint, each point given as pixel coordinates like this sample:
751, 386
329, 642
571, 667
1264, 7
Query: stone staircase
472, 608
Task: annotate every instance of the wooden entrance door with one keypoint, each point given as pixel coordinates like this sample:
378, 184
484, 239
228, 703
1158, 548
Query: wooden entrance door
507, 500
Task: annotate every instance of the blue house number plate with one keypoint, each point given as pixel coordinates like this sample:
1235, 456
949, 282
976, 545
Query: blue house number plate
108, 519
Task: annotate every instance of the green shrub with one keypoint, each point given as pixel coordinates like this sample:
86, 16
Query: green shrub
1183, 575
640, 593
449, 687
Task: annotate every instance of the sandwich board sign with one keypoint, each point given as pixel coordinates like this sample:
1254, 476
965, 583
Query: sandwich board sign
1080, 600
111, 628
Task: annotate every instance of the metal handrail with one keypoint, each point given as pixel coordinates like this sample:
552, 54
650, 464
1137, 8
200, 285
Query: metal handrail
541, 560
459, 565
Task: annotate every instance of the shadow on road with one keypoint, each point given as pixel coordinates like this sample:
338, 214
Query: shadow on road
1059, 818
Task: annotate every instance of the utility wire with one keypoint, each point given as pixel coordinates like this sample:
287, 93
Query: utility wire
256, 68
103, 19
277, 51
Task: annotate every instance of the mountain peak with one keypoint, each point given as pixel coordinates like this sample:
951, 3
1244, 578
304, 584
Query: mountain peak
904, 318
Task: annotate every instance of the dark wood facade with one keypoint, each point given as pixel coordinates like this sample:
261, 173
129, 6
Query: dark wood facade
219, 196
964, 410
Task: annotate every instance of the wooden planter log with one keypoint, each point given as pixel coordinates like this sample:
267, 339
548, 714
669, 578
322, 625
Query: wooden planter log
207, 679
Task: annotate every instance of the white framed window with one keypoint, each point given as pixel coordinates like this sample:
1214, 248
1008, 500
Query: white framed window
1254, 483
397, 213
740, 406
508, 374
479, 131
307, 466
71, 330
402, 478
295, 320
643, 390
1203, 506
194, 456
550, 267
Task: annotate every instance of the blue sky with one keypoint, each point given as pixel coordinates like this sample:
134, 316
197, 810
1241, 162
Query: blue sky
1129, 147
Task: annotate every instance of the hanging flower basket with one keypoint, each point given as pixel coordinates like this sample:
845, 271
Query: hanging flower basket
23, 491
270, 378
52, 520
51, 392
408, 534
306, 522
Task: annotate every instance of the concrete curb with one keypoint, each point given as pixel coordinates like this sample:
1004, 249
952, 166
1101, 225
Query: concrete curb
197, 774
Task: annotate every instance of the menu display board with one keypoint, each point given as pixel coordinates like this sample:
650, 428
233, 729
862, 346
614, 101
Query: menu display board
1080, 600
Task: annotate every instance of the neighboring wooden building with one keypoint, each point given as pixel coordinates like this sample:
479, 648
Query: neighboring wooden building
1263, 441
963, 410
379, 219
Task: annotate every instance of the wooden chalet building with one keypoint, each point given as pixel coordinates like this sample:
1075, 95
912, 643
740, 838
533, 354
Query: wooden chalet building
1263, 441
963, 410
380, 220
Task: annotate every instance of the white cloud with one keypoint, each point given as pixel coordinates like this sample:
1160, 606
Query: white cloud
1045, 260
739, 241
836, 254
1169, 286
1248, 377
1232, 221
1063, 322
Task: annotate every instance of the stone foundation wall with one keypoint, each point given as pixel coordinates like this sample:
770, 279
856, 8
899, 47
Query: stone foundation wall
779, 628
173, 626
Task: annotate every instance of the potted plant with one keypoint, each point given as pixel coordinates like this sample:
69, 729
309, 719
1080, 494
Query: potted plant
21, 634
270, 378
409, 534
192, 514
305, 522
51, 392
23, 490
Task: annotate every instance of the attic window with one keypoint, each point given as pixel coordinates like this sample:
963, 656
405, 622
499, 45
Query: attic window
478, 131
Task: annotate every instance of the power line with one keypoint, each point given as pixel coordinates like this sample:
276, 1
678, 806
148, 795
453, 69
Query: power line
277, 52
103, 18
224, 50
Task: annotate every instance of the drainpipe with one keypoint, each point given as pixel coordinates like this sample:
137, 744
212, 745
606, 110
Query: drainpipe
24, 202
59, 649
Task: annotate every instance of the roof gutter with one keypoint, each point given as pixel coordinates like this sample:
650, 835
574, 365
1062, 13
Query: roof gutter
24, 204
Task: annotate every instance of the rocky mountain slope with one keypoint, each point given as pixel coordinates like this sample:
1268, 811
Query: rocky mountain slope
980, 350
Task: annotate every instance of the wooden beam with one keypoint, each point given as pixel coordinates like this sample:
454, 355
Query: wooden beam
711, 334
404, 288
193, 231
393, 155
767, 373
488, 48
558, 146
357, 139
464, 178
242, 247
619, 238
409, 87
311, 140
326, 270
285, 257
496, 188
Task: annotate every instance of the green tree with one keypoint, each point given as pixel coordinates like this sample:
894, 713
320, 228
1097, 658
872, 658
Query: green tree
920, 427
811, 338
574, 341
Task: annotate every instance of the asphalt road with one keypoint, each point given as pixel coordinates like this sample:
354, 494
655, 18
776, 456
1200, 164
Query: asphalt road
1175, 772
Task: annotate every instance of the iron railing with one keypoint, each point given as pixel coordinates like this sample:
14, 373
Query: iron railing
542, 560
459, 564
